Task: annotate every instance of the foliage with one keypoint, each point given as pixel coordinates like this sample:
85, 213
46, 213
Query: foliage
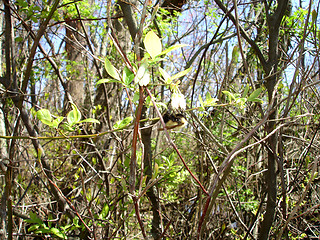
73, 118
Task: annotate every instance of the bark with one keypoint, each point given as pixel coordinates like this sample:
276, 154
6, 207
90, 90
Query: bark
271, 69
152, 192
74, 42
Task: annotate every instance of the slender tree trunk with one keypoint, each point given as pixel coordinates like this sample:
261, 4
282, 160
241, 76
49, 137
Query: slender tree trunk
152, 192
271, 69
74, 43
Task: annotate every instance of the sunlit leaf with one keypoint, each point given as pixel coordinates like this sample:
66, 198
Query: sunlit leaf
89, 120
181, 74
229, 95
33, 228
57, 121
161, 105
123, 123
165, 75
143, 182
257, 100
44, 116
155, 171
74, 115
58, 233
111, 70
172, 48
105, 211
152, 44
107, 80
144, 81
143, 76
209, 100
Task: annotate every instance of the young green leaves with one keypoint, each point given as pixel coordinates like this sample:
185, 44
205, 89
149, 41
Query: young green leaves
236, 98
142, 76
73, 118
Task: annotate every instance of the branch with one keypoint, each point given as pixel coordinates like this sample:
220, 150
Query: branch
225, 170
128, 16
41, 31
243, 32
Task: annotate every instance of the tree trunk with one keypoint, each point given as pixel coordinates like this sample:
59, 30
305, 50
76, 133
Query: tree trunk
271, 69
74, 42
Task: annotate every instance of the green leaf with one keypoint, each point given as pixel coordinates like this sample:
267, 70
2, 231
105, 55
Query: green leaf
255, 94
111, 70
136, 97
18, 39
44, 116
246, 90
33, 228
143, 182
107, 80
105, 211
235, 54
75, 222
123, 184
57, 121
161, 105
241, 102
123, 123
74, 115
154, 12
257, 100
181, 74
314, 16
165, 75
201, 104
58, 233
127, 162
172, 48
229, 95
155, 171
44, 230
34, 219
209, 100
152, 44
67, 127
89, 120
127, 76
